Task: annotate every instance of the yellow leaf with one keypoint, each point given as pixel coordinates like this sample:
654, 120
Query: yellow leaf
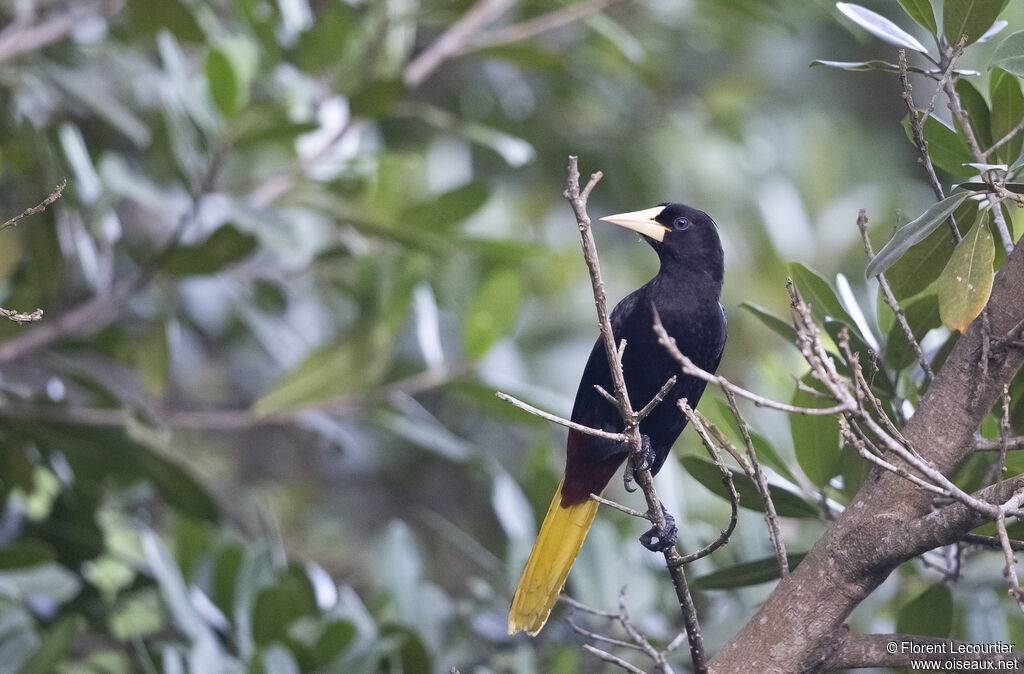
966, 282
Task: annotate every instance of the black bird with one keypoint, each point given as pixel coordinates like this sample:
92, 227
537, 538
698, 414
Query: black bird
685, 293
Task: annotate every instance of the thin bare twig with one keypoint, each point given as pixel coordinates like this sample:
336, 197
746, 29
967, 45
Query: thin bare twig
658, 397
691, 368
890, 299
700, 424
618, 506
638, 641
452, 40
21, 38
577, 199
57, 192
37, 315
771, 517
614, 659
538, 25
991, 541
106, 306
1010, 568
953, 98
600, 637
917, 120
997, 444
998, 468
19, 317
617, 437
1005, 139
566, 599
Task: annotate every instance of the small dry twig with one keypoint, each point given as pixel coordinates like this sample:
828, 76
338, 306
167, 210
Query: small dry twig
917, 120
753, 468
890, 299
577, 199
38, 208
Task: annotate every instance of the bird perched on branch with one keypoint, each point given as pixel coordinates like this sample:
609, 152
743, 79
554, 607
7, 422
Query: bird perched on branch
685, 294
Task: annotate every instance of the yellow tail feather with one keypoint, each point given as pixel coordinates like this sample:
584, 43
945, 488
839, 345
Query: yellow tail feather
554, 551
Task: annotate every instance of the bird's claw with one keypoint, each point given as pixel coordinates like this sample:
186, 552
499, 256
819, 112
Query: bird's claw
637, 462
659, 539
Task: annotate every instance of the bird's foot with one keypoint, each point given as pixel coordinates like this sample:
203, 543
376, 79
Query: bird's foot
659, 539
638, 461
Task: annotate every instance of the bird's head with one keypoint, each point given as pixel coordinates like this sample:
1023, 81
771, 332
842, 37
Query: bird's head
685, 238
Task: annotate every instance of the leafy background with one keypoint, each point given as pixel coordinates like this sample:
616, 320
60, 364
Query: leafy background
275, 445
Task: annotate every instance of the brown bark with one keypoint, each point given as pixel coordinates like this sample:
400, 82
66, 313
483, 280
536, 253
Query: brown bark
800, 626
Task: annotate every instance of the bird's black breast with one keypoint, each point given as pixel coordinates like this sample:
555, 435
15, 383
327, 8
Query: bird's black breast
696, 320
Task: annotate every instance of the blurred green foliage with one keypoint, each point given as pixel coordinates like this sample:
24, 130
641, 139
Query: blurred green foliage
266, 439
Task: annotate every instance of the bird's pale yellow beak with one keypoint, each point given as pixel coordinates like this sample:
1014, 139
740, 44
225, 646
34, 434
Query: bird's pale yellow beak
641, 221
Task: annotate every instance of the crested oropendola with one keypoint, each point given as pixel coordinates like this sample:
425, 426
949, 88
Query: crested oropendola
685, 293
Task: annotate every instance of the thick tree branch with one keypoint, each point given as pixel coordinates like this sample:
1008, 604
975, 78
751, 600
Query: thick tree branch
888, 520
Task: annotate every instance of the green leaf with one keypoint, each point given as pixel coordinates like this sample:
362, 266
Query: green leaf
853, 468
136, 614
226, 568
787, 504
977, 111
922, 316
152, 355
947, 148
120, 116
280, 604
318, 47
972, 17
337, 636
226, 246
412, 653
913, 232
966, 281
1007, 111
1009, 55
746, 574
922, 12
493, 311
887, 67
818, 294
345, 366
764, 450
929, 614
815, 437
48, 581
780, 327
923, 262
880, 27
97, 452
527, 55
231, 66
172, 586
151, 17
446, 210
54, 646
25, 552
880, 382
861, 66
375, 98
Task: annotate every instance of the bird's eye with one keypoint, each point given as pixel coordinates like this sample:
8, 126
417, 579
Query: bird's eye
682, 223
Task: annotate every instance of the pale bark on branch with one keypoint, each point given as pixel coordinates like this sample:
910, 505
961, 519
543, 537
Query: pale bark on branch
890, 520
